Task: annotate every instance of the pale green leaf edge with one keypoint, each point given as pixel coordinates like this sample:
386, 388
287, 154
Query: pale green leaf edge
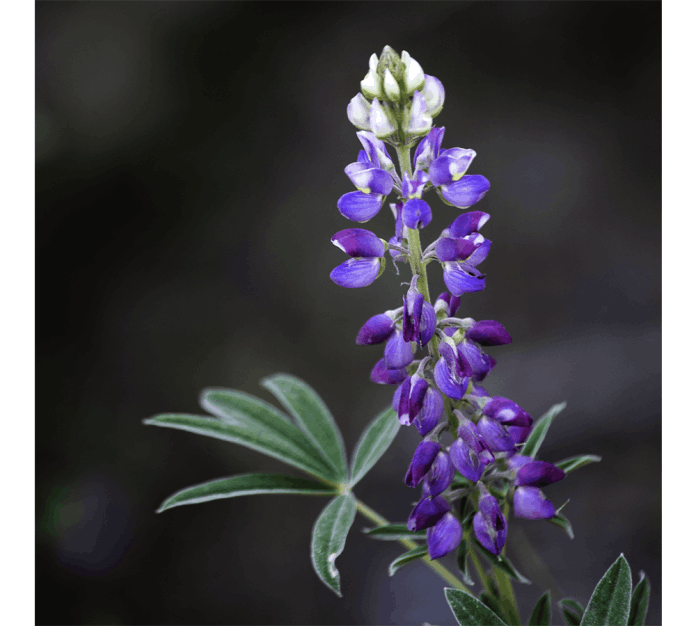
469, 611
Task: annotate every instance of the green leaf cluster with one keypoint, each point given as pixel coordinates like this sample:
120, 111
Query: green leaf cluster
307, 439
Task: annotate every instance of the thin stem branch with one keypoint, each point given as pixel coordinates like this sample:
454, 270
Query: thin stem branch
439, 569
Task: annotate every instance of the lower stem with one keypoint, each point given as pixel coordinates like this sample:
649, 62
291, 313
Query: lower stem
439, 569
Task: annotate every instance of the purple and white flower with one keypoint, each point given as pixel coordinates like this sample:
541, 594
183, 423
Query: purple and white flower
367, 262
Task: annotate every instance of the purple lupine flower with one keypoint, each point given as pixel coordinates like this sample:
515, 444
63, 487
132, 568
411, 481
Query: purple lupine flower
397, 352
444, 537
490, 525
375, 330
420, 120
531, 503
428, 149
479, 362
397, 239
383, 376
489, 333
413, 307
461, 278
417, 213
538, 474
466, 224
373, 174
440, 475
447, 174
469, 452
428, 512
448, 383
431, 412
413, 392
448, 303
428, 323
456, 360
495, 435
367, 263
423, 458
507, 412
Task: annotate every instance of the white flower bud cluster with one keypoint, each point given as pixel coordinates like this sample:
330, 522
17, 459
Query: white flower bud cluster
397, 101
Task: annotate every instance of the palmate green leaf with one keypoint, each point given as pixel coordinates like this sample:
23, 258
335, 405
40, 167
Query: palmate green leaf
563, 522
407, 557
254, 437
576, 462
394, 532
373, 443
541, 613
470, 611
538, 434
313, 418
611, 600
244, 410
639, 602
329, 538
246, 485
503, 564
572, 611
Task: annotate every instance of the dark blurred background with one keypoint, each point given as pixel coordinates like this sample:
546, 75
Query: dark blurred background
189, 160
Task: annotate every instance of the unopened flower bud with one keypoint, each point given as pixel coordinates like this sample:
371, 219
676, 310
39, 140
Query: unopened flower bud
420, 122
359, 112
413, 73
380, 124
371, 85
391, 87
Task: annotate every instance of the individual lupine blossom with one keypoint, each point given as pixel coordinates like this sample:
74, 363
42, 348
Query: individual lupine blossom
528, 501
440, 390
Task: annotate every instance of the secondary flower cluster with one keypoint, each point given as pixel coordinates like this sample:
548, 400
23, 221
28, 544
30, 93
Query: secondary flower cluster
441, 391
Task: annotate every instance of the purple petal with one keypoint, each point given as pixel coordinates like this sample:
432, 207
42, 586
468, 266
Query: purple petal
519, 434
430, 414
358, 242
489, 333
402, 411
450, 166
397, 394
539, 474
417, 396
428, 323
495, 435
530, 503
467, 191
413, 309
480, 253
490, 525
413, 187
440, 475
360, 207
422, 460
370, 179
517, 461
461, 278
358, 272
449, 249
466, 460
383, 376
478, 361
444, 537
427, 513
417, 213
375, 330
397, 353
376, 150
479, 391
507, 412
448, 384
428, 149
468, 223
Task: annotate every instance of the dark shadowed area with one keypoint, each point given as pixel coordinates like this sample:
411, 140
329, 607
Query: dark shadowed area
189, 160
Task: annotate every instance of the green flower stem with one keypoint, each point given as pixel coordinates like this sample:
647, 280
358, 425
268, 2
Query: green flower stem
507, 593
441, 571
